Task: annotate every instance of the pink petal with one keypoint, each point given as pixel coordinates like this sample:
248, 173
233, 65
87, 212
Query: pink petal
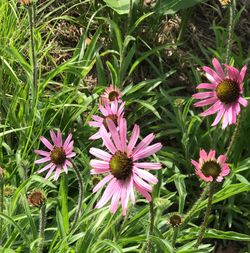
142, 183
67, 141
225, 119
242, 73
106, 140
233, 73
144, 143
143, 192
53, 137
209, 86
99, 171
219, 116
97, 118
103, 111
103, 182
202, 95
204, 102
41, 152
50, 171
148, 166
46, 143
222, 159
146, 175
213, 109
148, 151
211, 155
59, 138
45, 168
69, 164
203, 154
243, 101
211, 75
124, 196
115, 199
65, 168
123, 133
57, 173
133, 139
95, 124
218, 68
114, 133
100, 154
43, 160
97, 164
109, 191
95, 136
196, 164
72, 154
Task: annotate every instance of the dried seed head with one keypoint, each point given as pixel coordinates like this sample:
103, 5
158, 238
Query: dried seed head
37, 198
175, 220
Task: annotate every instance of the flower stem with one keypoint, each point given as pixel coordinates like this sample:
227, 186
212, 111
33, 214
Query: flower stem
151, 226
175, 234
190, 213
207, 213
235, 136
31, 13
80, 198
230, 31
42, 227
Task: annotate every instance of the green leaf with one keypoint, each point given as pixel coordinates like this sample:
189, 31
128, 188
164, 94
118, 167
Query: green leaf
120, 6
172, 6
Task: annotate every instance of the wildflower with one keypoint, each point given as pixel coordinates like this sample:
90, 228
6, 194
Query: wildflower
209, 168
224, 2
58, 155
113, 111
122, 166
111, 94
37, 198
225, 95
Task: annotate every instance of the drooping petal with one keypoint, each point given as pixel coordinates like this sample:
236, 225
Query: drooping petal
148, 151
243, 101
208, 86
203, 95
145, 175
97, 164
103, 182
148, 166
43, 160
204, 102
143, 192
212, 110
45, 168
42, 153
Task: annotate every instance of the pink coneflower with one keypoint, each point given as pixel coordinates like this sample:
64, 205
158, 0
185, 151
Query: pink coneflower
113, 111
58, 154
209, 168
225, 95
111, 94
122, 166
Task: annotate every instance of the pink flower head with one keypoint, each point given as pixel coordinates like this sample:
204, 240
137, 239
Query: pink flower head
209, 168
58, 154
111, 94
225, 93
113, 111
124, 171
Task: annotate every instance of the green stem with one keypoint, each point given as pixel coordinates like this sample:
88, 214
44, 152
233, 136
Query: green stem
42, 227
235, 136
207, 213
175, 234
1, 198
31, 13
80, 198
194, 207
151, 226
230, 30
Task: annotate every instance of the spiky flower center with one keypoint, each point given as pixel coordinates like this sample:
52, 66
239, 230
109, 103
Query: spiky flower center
121, 165
36, 198
228, 91
112, 117
113, 95
58, 156
211, 168
175, 220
